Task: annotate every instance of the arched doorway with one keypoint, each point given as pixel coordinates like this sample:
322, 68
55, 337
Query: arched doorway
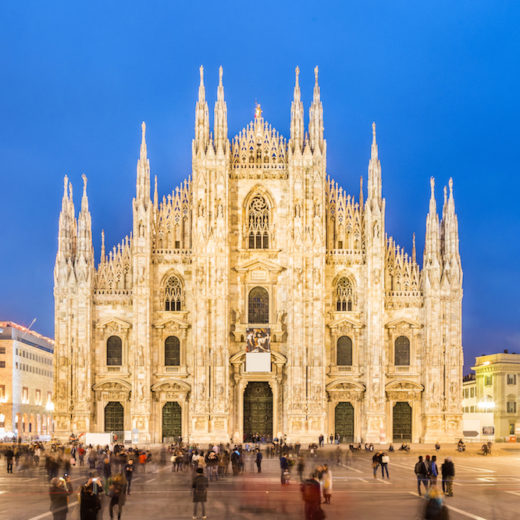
344, 421
258, 410
171, 421
402, 422
114, 417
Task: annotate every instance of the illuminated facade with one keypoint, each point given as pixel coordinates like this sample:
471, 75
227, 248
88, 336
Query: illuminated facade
26, 382
364, 343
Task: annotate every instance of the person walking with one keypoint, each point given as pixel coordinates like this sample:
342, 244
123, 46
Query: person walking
435, 509
311, 494
421, 473
385, 459
300, 467
199, 486
90, 503
448, 474
284, 469
129, 474
9, 456
117, 493
434, 471
258, 460
326, 479
376, 460
59, 492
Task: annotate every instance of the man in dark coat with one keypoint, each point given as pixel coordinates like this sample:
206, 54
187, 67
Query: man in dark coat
421, 472
199, 486
311, 493
258, 460
9, 455
448, 474
89, 498
59, 492
117, 493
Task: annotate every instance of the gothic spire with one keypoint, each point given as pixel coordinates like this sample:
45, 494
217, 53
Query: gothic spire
103, 255
143, 171
221, 129
85, 250
64, 229
297, 128
414, 252
201, 118
374, 171
432, 238
450, 231
316, 118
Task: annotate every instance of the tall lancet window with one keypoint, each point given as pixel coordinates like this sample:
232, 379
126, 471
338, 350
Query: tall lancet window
258, 223
344, 295
173, 294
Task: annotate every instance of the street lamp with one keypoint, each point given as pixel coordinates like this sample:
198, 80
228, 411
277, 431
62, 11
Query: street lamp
486, 405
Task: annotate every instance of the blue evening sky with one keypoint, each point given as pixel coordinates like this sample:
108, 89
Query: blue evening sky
440, 78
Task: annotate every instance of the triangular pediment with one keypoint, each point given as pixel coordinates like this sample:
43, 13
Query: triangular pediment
346, 320
404, 386
392, 324
115, 322
259, 264
343, 384
172, 321
171, 385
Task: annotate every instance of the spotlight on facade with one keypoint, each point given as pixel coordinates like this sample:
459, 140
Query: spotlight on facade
486, 405
49, 406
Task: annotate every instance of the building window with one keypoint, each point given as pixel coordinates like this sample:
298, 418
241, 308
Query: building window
511, 406
114, 351
344, 352
2, 350
344, 295
2, 392
258, 305
38, 396
172, 352
472, 392
511, 379
2, 364
173, 294
25, 395
258, 223
402, 351
114, 417
488, 380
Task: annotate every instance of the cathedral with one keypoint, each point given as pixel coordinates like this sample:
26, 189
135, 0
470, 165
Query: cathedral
258, 298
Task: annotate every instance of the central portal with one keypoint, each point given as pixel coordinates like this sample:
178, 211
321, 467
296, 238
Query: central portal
258, 410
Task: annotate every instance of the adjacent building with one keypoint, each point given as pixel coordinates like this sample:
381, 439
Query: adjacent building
259, 253
26, 382
497, 390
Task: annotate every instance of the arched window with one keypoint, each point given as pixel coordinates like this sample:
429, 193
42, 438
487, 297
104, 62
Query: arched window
344, 295
344, 352
173, 294
258, 305
172, 351
258, 223
402, 351
114, 351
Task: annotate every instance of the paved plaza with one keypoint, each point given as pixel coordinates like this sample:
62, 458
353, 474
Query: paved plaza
486, 488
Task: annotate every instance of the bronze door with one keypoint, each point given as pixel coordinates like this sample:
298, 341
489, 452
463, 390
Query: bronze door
258, 409
171, 421
344, 421
402, 422
114, 417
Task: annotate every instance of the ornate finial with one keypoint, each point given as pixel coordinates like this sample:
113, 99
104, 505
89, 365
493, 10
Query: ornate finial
413, 249
220, 73
155, 195
450, 182
445, 194
70, 191
84, 177
297, 70
361, 190
432, 185
258, 111
316, 73
201, 74
143, 129
374, 131
65, 183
